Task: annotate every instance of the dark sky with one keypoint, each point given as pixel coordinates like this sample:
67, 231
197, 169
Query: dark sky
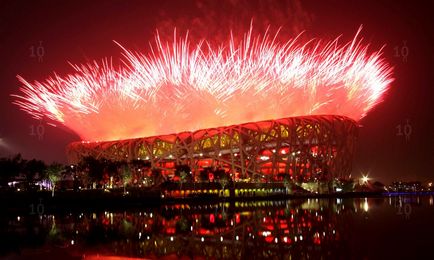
79, 31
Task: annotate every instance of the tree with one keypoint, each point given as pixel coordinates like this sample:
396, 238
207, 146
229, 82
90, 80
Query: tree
182, 178
157, 176
10, 168
94, 167
111, 168
53, 173
33, 167
126, 176
204, 174
287, 182
224, 180
184, 173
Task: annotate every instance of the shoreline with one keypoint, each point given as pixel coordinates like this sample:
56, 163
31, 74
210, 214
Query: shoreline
66, 201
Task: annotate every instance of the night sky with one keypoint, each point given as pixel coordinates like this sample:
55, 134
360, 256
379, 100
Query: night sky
80, 31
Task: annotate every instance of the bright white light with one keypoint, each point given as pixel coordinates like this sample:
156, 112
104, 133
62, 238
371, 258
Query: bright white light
364, 179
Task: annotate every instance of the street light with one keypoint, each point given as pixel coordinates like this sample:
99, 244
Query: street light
364, 179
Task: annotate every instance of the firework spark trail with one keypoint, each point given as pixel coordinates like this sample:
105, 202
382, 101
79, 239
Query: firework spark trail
179, 87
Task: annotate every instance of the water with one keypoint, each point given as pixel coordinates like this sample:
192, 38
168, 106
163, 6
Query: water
359, 228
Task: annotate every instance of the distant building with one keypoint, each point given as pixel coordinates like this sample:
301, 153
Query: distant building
399, 186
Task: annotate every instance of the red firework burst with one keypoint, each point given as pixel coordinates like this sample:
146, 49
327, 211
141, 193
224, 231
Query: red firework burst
178, 86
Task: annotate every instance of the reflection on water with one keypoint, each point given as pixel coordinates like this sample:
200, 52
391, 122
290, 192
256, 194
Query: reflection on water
299, 229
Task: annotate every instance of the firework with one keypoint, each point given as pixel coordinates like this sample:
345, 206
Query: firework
178, 86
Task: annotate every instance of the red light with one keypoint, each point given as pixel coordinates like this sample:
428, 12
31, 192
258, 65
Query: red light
269, 239
146, 96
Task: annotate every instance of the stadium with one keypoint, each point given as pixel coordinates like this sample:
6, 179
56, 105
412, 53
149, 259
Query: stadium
304, 147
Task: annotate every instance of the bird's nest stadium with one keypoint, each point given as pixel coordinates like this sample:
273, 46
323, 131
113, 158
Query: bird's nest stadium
302, 147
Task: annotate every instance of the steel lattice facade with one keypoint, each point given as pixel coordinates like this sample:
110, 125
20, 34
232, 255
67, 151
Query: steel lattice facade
308, 146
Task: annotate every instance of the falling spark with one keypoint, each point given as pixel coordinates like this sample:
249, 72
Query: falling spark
179, 86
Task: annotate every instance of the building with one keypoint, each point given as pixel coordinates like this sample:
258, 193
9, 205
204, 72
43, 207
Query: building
306, 147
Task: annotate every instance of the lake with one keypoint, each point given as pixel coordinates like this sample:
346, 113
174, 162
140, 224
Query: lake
398, 227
